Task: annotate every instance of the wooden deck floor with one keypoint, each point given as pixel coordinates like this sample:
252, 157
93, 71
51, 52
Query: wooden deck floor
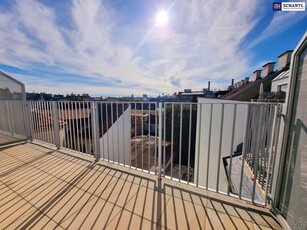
41, 188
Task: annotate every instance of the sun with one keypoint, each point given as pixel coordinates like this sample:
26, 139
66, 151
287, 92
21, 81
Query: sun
162, 18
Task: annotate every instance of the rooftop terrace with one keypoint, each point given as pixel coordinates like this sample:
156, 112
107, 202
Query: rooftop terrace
44, 188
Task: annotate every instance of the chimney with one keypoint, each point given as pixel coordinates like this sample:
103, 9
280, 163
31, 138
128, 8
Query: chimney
246, 80
257, 74
284, 59
268, 68
242, 82
208, 85
232, 82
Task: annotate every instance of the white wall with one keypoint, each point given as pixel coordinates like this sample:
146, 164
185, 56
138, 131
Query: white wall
202, 138
115, 144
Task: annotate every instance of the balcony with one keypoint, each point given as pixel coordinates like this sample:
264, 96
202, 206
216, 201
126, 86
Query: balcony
42, 187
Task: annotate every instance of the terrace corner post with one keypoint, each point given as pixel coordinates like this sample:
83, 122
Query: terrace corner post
56, 129
95, 129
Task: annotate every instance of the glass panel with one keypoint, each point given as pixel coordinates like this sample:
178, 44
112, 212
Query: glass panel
293, 200
9, 89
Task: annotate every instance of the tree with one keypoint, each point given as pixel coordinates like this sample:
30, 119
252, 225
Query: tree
187, 112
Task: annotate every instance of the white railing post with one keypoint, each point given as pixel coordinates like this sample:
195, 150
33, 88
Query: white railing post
244, 149
257, 151
9, 116
56, 130
276, 160
95, 130
28, 121
160, 142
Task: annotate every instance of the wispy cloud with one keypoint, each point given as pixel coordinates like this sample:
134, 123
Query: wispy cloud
279, 23
198, 45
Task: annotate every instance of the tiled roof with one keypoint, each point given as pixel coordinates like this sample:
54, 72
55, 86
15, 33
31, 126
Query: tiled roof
250, 90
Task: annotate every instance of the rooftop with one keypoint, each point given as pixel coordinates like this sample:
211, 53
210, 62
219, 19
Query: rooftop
41, 187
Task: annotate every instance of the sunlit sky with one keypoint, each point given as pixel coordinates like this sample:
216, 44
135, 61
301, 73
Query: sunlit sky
118, 47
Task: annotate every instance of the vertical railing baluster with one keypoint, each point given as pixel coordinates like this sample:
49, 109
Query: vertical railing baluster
40, 116
123, 132
95, 130
91, 133
85, 134
31, 125
117, 122
244, 149
160, 142
189, 145
48, 122
231, 147
220, 148
172, 141
38, 121
199, 131
149, 136
73, 109
180, 142
135, 136
156, 131
270, 152
9, 118
276, 131
209, 146
130, 124
164, 136
77, 112
34, 121
256, 158
44, 121
142, 134
112, 123
61, 122
101, 130
107, 130
56, 130
29, 118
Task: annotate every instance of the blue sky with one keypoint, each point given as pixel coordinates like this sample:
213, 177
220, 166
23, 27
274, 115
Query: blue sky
114, 47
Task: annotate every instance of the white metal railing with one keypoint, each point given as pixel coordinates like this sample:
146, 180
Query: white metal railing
225, 147
120, 132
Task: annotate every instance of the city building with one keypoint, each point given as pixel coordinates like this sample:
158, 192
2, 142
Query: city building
188, 95
246, 90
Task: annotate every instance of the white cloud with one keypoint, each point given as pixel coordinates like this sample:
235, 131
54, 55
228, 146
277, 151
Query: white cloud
280, 22
41, 84
202, 42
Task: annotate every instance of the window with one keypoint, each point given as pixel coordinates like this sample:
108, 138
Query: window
293, 196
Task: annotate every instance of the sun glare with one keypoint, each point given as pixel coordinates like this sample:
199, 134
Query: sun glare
162, 18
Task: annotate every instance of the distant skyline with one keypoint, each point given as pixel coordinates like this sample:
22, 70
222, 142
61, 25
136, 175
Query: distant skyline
119, 47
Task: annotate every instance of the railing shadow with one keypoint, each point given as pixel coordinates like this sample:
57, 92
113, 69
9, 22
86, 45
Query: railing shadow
193, 210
